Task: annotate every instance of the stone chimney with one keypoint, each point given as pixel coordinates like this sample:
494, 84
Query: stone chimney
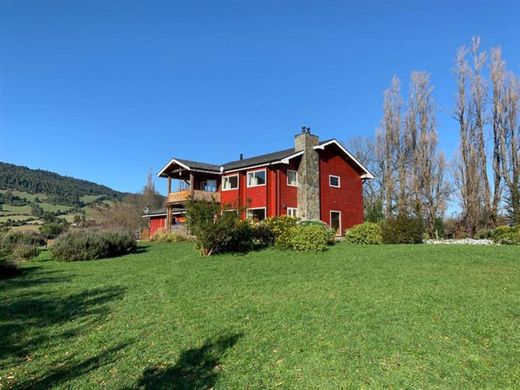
308, 175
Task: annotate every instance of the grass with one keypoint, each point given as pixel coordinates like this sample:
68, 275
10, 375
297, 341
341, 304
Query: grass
8, 209
363, 317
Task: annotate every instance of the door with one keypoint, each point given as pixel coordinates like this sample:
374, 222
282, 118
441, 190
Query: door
335, 222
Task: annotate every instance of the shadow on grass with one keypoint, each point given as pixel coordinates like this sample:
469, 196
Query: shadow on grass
197, 368
28, 318
70, 370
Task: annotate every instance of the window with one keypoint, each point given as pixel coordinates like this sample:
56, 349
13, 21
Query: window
334, 181
256, 178
209, 185
292, 212
230, 182
256, 215
292, 178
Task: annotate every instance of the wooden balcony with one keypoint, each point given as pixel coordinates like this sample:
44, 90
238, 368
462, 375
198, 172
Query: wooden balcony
182, 196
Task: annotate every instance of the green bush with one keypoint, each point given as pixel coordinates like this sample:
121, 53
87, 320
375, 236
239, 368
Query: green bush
169, 237
484, 234
311, 237
368, 233
281, 229
52, 230
88, 244
506, 235
212, 228
15, 238
402, 229
23, 252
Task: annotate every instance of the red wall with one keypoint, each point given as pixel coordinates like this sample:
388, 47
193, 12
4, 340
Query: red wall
157, 224
288, 194
349, 197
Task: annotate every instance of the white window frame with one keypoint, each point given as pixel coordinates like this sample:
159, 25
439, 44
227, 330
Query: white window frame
295, 211
330, 221
296, 172
256, 208
339, 181
231, 189
252, 172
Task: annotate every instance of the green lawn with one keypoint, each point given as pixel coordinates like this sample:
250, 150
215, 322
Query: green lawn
362, 317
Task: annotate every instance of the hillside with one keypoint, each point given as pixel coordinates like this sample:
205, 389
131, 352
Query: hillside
58, 189
28, 195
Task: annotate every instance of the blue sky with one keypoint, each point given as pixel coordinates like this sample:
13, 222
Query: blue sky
109, 90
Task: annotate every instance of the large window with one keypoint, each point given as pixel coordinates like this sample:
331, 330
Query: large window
230, 182
256, 178
256, 215
292, 178
334, 181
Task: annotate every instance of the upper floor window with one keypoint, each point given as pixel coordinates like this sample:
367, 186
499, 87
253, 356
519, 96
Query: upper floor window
230, 182
334, 181
292, 178
256, 178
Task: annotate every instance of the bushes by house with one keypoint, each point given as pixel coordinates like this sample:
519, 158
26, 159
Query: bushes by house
89, 244
402, 229
281, 228
169, 237
368, 233
311, 237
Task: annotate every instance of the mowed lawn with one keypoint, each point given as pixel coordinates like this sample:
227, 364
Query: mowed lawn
362, 317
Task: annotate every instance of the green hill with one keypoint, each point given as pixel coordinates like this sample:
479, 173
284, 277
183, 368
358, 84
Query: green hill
27, 195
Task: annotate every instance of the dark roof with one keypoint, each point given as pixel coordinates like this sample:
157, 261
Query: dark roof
152, 213
264, 158
246, 162
200, 165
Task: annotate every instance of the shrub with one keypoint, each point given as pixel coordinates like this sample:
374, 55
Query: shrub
169, 237
484, 234
212, 228
368, 233
402, 229
281, 228
310, 237
52, 230
506, 235
87, 244
15, 238
25, 252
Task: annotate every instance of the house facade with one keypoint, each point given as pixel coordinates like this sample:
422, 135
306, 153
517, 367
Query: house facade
313, 181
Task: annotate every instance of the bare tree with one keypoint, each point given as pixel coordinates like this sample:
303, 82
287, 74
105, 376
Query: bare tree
510, 147
427, 186
364, 149
498, 75
388, 147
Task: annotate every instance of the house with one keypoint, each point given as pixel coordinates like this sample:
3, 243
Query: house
313, 181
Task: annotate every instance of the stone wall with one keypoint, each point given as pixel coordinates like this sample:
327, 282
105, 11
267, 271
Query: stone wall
308, 176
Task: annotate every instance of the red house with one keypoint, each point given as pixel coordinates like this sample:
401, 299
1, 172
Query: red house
313, 181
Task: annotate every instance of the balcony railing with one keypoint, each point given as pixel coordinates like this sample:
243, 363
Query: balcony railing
182, 196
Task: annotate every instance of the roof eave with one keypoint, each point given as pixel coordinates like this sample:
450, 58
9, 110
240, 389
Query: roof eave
366, 175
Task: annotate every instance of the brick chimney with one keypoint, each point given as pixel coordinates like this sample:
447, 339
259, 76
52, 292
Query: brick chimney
308, 175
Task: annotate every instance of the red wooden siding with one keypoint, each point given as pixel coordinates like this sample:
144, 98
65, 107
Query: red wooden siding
288, 194
348, 199
157, 224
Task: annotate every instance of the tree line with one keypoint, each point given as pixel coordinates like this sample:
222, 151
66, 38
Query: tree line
413, 177
59, 189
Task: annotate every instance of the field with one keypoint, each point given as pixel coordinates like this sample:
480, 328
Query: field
24, 213
362, 317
